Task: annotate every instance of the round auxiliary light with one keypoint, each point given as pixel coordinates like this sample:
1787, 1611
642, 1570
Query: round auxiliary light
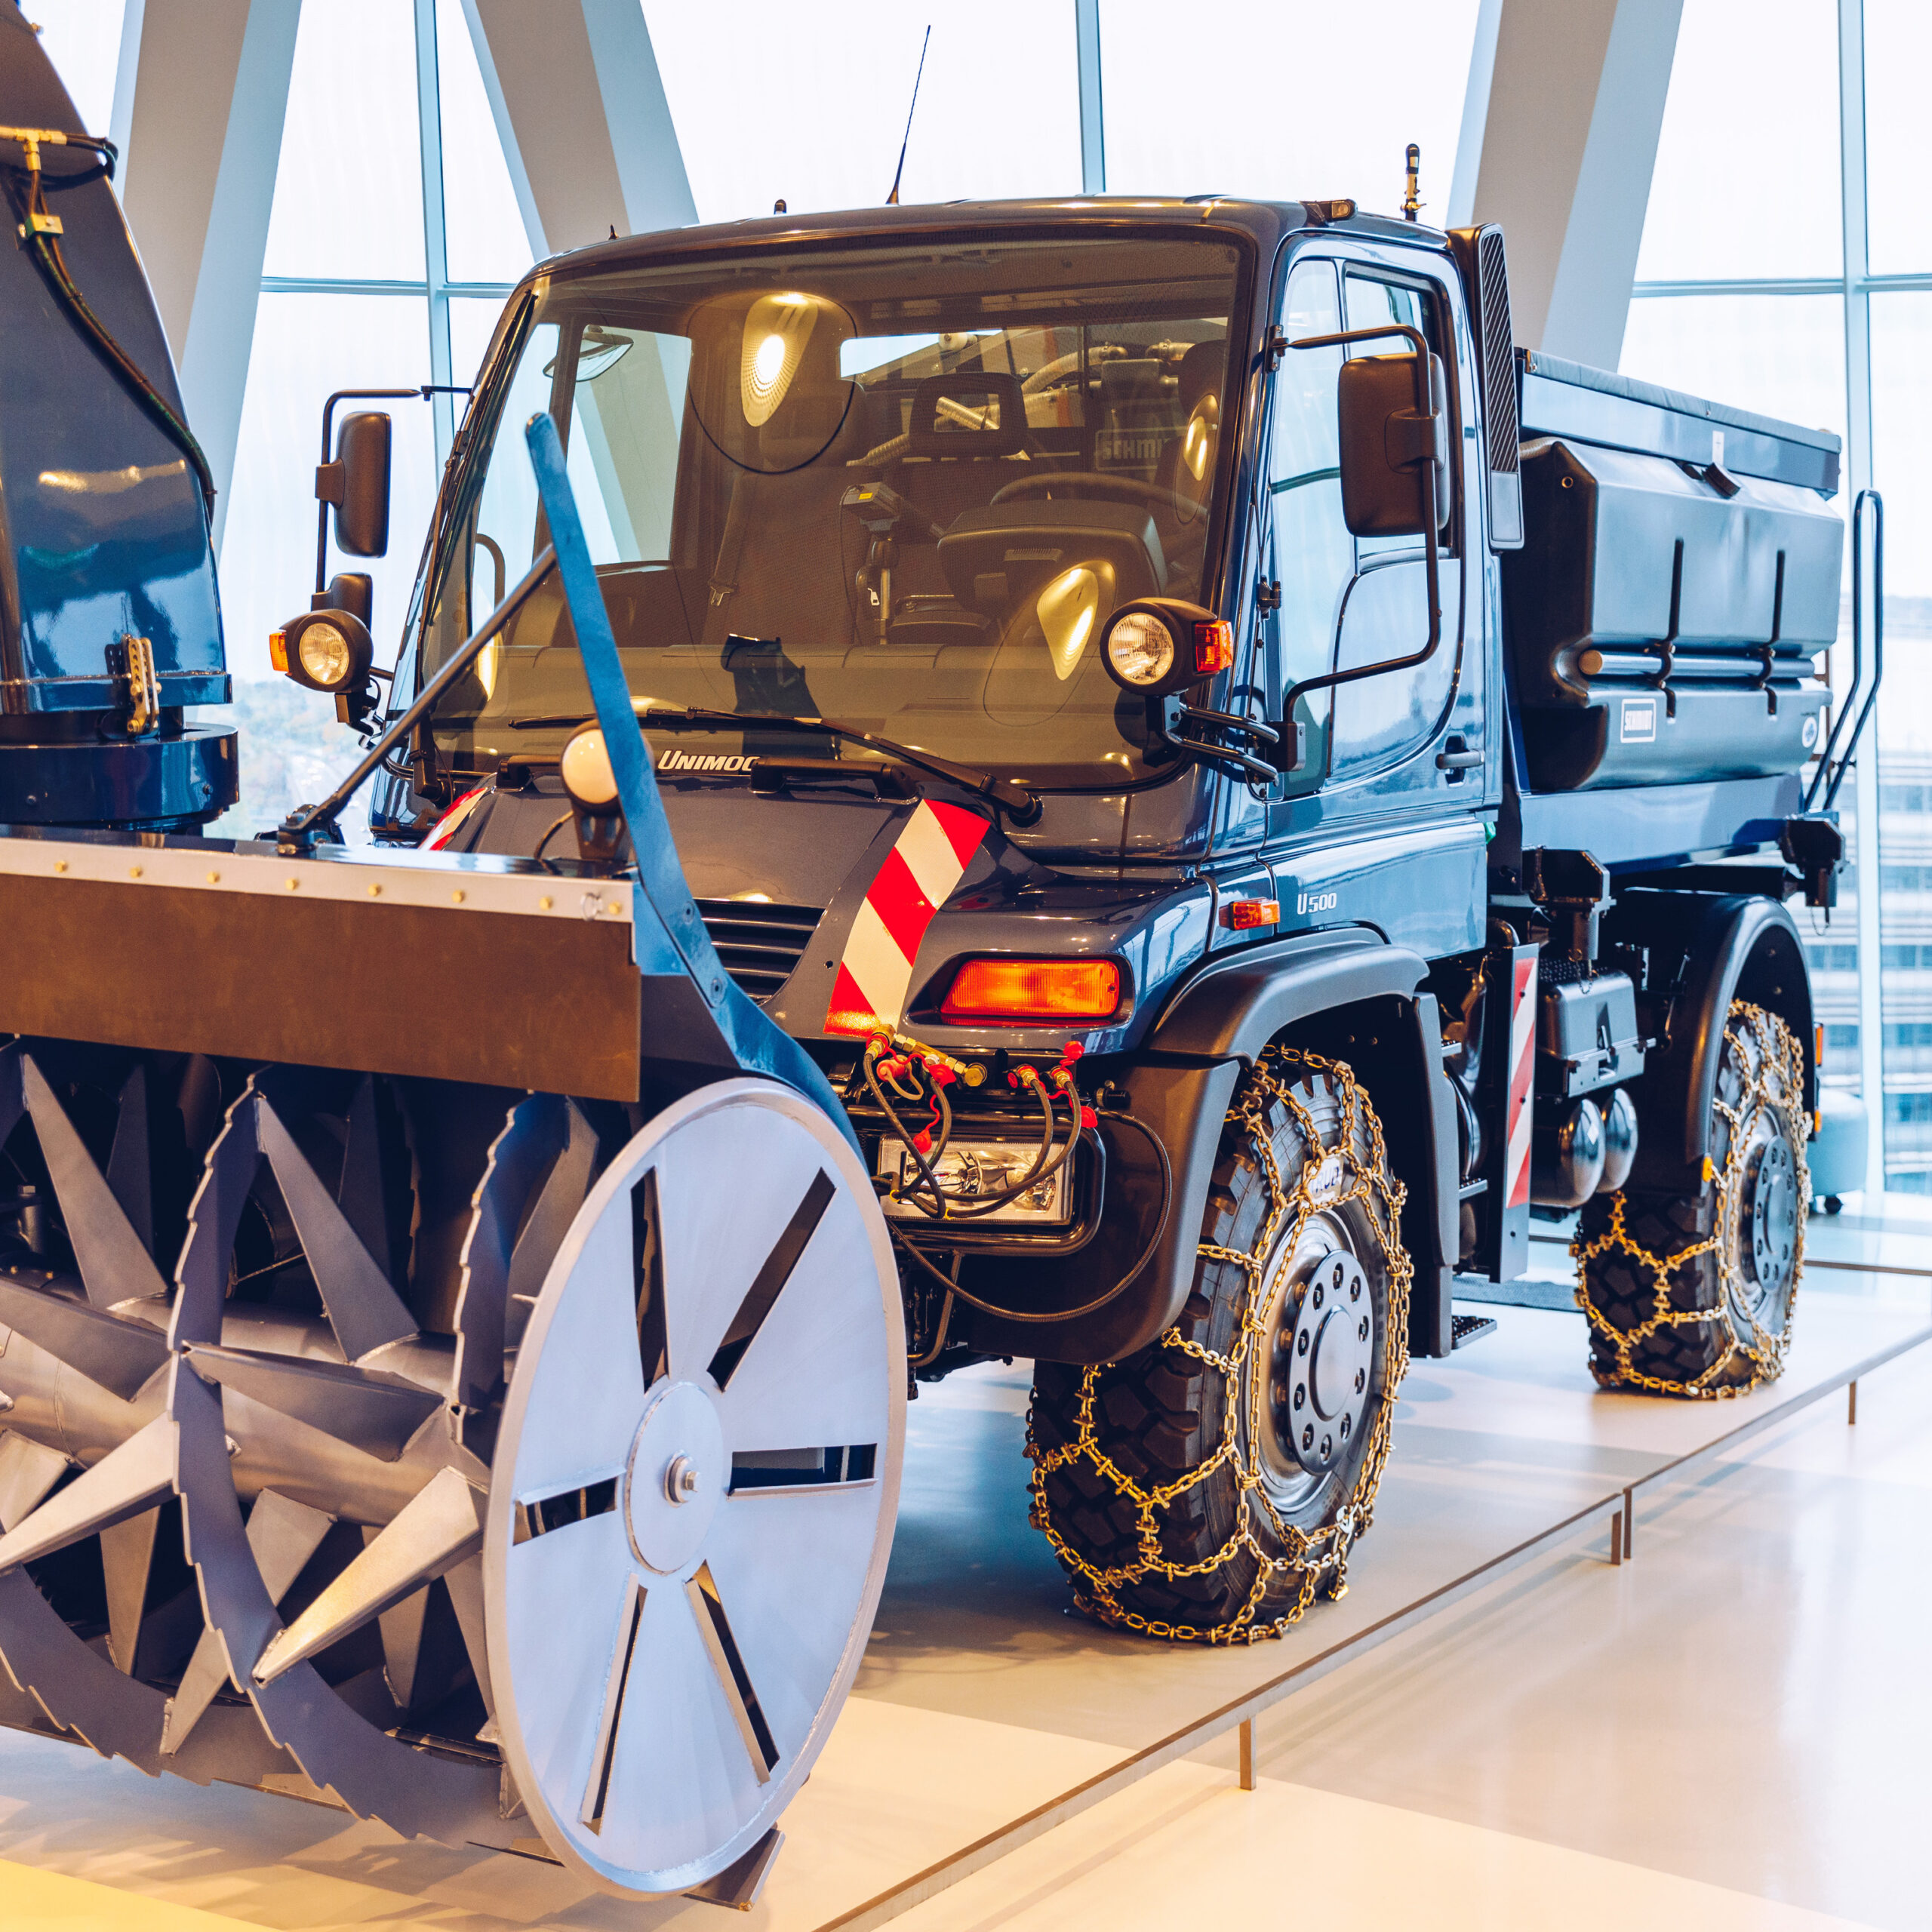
584, 768
1141, 650
328, 651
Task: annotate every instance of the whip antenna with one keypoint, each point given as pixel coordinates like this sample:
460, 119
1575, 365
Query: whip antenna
892, 200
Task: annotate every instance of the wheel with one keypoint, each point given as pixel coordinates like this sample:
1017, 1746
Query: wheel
1205, 1488
1692, 1294
694, 1489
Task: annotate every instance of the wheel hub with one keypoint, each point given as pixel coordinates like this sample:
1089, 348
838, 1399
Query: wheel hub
675, 1478
1327, 1353
1771, 1206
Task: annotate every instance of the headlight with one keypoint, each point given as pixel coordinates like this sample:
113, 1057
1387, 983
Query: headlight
328, 651
1140, 649
324, 654
1156, 645
584, 768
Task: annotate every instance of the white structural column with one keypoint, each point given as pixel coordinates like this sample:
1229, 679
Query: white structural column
580, 109
1559, 138
1092, 124
202, 90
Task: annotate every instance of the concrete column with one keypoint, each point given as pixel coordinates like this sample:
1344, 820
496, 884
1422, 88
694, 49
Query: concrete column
579, 108
199, 101
1564, 105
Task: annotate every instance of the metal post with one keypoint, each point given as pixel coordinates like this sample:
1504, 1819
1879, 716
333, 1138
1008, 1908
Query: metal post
1616, 1537
1093, 130
436, 248
1247, 1754
1629, 1522
1851, 1404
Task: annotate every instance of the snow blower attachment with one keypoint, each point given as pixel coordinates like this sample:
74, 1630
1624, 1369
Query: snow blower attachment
485, 1409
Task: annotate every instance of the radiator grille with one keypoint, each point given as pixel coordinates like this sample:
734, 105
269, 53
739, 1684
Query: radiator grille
759, 943
1499, 354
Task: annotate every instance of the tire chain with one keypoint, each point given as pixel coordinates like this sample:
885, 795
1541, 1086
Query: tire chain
1778, 1054
1323, 1555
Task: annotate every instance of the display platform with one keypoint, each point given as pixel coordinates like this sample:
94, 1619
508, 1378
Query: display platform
986, 1711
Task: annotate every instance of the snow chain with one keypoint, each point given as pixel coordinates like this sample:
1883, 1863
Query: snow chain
1320, 1558
1773, 1085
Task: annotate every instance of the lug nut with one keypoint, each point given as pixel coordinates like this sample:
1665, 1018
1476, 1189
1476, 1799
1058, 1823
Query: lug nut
1361, 1383
1301, 1395
1301, 1343
1362, 1332
1308, 1436
1345, 1428
1327, 1448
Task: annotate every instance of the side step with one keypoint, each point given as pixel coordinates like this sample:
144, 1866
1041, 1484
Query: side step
1467, 1328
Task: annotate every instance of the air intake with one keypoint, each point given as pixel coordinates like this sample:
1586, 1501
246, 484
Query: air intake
1480, 256
759, 943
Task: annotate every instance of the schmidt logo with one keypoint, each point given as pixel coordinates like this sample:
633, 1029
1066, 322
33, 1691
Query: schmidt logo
678, 761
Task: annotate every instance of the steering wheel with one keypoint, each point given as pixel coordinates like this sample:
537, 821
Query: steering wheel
1085, 482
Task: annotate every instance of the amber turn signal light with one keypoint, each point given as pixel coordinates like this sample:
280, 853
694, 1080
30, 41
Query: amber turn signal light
1214, 647
1008, 992
1245, 915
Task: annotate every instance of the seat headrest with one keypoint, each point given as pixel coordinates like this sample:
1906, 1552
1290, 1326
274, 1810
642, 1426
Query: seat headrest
968, 414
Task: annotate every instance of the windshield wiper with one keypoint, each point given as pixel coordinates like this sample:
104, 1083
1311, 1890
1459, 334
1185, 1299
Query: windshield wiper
1006, 795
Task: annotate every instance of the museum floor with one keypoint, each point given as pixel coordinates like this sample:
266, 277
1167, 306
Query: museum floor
1723, 1732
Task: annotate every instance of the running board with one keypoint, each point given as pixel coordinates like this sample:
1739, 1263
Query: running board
1469, 1328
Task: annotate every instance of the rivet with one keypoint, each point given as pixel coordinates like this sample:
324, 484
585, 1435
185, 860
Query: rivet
375, 892
543, 905
214, 878
295, 885
60, 865
133, 871
455, 897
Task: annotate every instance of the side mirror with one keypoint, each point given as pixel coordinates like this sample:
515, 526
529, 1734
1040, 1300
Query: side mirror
357, 483
1389, 446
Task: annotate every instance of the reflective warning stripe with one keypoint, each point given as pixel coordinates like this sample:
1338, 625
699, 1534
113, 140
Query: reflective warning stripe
1522, 1075
875, 971
453, 821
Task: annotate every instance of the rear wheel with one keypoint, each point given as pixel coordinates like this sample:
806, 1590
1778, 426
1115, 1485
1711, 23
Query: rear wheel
1205, 1488
1692, 1294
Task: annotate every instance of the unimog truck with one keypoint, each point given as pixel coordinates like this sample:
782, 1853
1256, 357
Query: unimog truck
1121, 783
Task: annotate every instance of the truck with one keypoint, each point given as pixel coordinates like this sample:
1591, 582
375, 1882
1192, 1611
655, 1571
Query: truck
1124, 783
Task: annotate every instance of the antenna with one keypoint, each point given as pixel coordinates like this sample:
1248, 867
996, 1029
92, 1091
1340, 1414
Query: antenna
892, 200
1412, 201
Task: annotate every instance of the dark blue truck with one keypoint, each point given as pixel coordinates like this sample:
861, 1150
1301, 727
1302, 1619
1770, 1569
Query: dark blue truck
1137, 751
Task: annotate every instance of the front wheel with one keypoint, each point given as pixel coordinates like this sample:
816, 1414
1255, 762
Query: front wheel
1691, 1294
1206, 1488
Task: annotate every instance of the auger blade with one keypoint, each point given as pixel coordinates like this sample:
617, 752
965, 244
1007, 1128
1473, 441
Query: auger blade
130, 1174
28, 1470
121, 1356
126, 1557
122, 1484
364, 1310
283, 1534
114, 1264
436, 1530
367, 1409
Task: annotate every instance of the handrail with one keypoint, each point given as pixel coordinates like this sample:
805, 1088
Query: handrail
1828, 778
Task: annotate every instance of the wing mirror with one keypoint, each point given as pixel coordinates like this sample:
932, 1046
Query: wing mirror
357, 483
1394, 445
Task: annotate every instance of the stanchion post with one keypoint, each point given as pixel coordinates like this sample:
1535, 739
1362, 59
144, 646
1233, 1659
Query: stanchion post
1247, 1754
1851, 1403
1616, 1537
1630, 1522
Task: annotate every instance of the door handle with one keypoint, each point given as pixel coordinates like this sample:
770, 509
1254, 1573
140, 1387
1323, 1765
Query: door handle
1456, 757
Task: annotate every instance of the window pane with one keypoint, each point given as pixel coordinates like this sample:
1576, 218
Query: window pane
1746, 181
1335, 127
1901, 420
82, 38
483, 227
349, 191
1898, 51
472, 322
773, 100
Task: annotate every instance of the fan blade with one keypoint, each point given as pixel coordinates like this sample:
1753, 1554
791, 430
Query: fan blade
371, 1411
28, 1470
282, 1535
122, 1484
127, 1555
120, 1355
114, 1266
435, 1530
364, 1310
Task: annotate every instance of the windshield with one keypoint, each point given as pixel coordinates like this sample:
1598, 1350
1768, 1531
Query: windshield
900, 487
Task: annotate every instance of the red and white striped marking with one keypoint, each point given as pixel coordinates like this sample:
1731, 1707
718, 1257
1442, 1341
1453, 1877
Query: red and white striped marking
453, 821
1522, 1076
868, 995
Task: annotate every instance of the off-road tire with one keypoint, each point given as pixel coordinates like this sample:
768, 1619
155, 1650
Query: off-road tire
1139, 1464
1681, 1298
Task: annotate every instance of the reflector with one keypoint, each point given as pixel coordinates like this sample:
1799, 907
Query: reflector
1005, 990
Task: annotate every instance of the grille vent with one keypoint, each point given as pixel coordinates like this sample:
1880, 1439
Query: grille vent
1498, 355
758, 944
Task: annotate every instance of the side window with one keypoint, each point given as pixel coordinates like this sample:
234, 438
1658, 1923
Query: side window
1314, 556
1373, 304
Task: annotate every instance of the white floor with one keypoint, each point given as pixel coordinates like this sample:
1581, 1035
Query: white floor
1727, 1732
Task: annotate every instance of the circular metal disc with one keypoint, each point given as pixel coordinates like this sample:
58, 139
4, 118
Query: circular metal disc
694, 1488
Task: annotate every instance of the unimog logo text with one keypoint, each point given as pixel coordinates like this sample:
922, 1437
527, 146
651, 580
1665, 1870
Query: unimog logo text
1316, 902
696, 762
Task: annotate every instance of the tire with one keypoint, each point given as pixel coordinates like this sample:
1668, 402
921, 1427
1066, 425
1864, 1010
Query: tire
1283, 1368
1693, 1294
